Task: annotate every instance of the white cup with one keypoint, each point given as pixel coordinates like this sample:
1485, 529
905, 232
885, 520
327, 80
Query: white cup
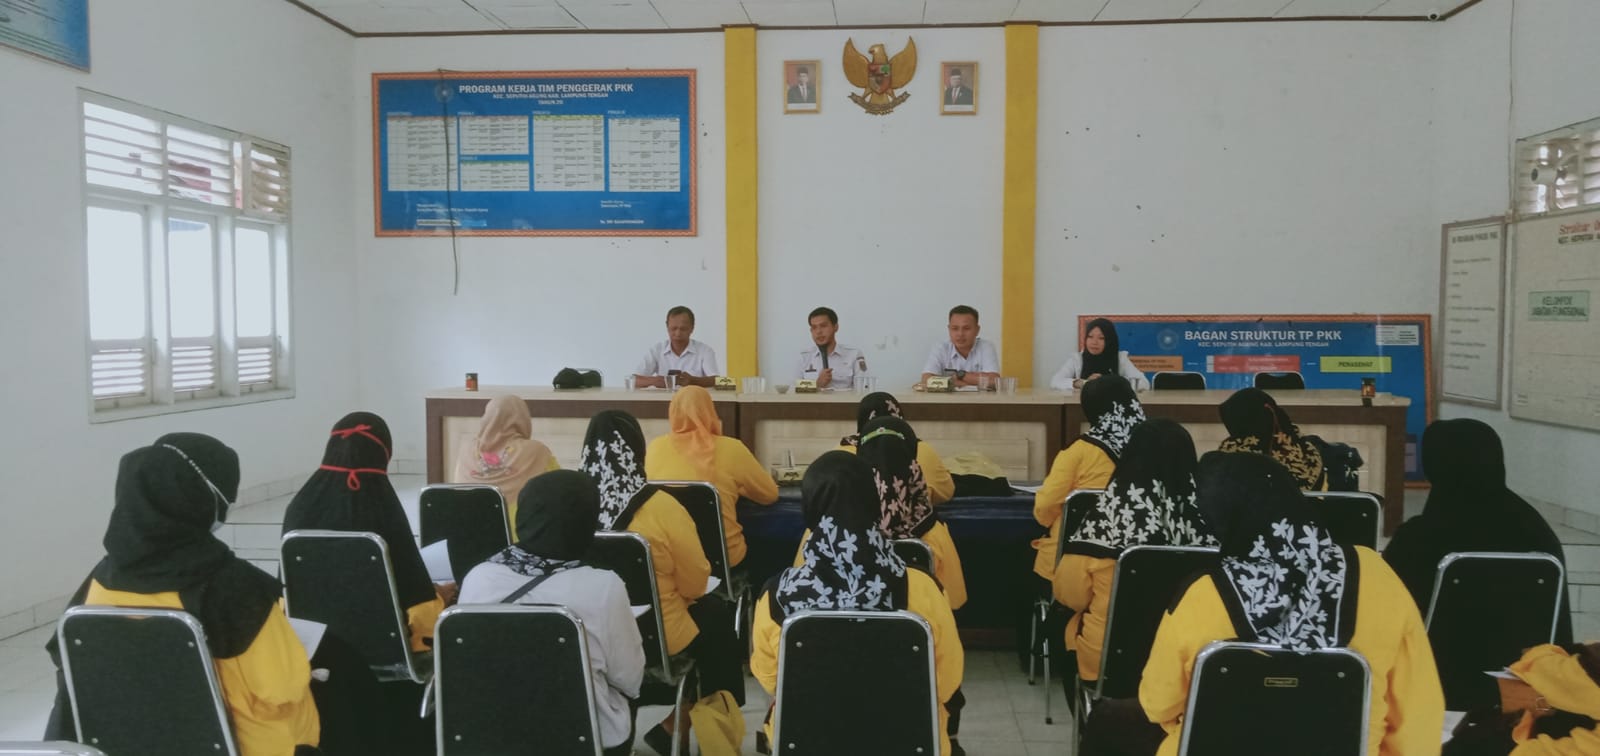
629, 383
672, 382
1008, 385
985, 382
755, 385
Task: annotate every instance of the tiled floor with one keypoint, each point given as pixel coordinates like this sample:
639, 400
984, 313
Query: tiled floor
1004, 715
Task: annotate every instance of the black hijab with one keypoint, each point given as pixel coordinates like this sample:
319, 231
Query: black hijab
1258, 425
1469, 509
1107, 361
847, 563
556, 516
1113, 409
613, 457
1282, 578
873, 406
889, 447
350, 491
159, 540
1151, 497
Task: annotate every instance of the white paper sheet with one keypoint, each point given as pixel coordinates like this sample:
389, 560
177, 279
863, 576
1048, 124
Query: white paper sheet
310, 634
712, 582
436, 556
1026, 489
640, 611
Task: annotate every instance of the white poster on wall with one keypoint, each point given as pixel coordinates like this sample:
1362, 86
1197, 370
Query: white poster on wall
1555, 348
1472, 278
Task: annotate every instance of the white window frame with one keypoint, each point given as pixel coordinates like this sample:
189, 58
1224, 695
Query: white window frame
1557, 171
158, 344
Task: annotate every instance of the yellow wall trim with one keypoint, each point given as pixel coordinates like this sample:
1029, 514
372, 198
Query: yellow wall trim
739, 79
1021, 198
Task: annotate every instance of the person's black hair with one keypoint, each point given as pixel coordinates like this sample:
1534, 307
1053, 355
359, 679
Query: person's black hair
681, 310
964, 310
833, 317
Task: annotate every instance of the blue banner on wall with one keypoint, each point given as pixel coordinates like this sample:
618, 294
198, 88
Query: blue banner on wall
1331, 352
579, 153
55, 30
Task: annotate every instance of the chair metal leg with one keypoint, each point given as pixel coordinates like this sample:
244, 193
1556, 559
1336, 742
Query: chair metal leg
680, 716
1079, 716
1033, 641
1047, 692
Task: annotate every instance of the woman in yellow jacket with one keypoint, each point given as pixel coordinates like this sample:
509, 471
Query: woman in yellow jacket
1282, 580
941, 485
1554, 713
1149, 502
697, 450
160, 553
695, 622
850, 565
1112, 409
888, 446
1258, 425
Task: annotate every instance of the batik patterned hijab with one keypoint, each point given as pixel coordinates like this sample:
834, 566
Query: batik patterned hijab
1256, 424
1113, 410
613, 457
889, 447
1150, 500
873, 406
1282, 578
847, 563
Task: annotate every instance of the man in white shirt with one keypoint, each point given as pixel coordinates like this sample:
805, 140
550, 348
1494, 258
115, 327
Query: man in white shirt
827, 362
965, 357
692, 362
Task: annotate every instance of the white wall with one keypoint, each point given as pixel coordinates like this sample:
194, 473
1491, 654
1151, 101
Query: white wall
259, 66
1233, 168
890, 220
531, 306
1553, 87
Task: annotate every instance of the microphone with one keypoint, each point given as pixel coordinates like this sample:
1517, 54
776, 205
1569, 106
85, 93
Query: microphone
824, 357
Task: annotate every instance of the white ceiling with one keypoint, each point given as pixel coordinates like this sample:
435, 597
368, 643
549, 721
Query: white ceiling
423, 16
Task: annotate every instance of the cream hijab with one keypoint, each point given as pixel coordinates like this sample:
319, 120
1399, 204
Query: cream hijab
504, 455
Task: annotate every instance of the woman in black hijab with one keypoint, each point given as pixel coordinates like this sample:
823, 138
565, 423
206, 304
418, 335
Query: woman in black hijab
882, 404
160, 552
1258, 425
1102, 355
1469, 509
351, 491
889, 447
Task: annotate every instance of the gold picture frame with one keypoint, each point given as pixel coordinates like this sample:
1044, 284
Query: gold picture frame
802, 96
958, 96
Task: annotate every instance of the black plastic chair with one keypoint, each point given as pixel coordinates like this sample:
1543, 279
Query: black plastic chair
472, 519
1144, 584
1073, 510
513, 678
1291, 381
1256, 698
915, 553
666, 677
344, 580
1353, 518
1488, 608
142, 682
856, 683
704, 505
1175, 380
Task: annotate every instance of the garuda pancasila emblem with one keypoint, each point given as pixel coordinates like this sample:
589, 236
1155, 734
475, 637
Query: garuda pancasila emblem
879, 75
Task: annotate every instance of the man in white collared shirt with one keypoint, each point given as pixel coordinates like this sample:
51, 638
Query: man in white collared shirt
964, 357
693, 362
838, 369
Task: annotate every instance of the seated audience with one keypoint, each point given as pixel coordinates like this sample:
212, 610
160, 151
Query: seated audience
504, 454
889, 447
351, 491
941, 486
555, 529
1552, 709
695, 449
849, 565
1149, 502
1101, 355
1258, 425
1113, 410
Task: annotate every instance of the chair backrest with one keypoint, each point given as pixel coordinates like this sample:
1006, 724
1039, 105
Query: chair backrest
915, 553
1073, 510
1255, 698
513, 678
704, 505
345, 581
1353, 518
856, 683
1178, 381
628, 555
1146, 581
51, 748
1486, 609
1290, 381
472, 519
142, 682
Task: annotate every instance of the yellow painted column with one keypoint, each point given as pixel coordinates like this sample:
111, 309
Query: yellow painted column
739, 93
1021, 197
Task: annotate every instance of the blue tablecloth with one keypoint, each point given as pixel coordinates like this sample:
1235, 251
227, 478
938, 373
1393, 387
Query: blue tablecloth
993, 535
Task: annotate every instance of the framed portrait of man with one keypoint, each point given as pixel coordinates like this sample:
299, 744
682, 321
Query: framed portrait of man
958, 81
802, 86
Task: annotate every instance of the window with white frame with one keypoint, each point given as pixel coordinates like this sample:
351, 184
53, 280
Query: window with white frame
187, 251
1559, 170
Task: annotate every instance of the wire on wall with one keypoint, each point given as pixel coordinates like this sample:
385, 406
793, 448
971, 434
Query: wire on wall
442, 93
